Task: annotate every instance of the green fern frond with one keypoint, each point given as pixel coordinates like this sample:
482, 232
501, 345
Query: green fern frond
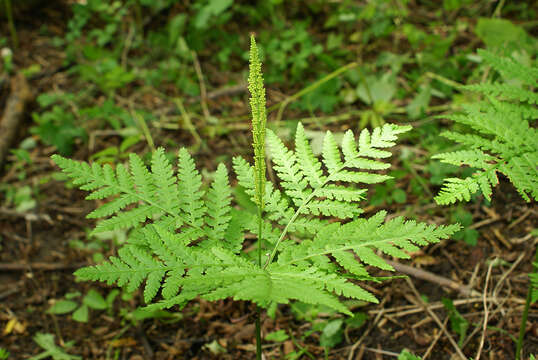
455, 189
510, 68
188, 242
503, 142
362, 236
505, 91
158, 195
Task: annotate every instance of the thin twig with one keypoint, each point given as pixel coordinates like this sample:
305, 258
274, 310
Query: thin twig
127, 46
436, 319
203, 91
505, 275
145, 130
486, 314
14, 112
484, 222
225, 91
28, 216
428, 276
435, 340
405, 310
187, 120
39, 266
382, 352
365, 334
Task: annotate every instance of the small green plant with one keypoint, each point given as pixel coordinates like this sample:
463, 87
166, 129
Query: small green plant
81, 312
57, 125
22, 199
457, 322
311, 244
4, 354
46, 341
465, 219
406, 355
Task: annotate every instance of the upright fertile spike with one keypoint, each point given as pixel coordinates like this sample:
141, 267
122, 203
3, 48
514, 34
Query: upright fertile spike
259, 118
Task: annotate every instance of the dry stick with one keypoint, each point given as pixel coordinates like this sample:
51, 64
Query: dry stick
127, 46
150, 354
434, 317
9, 292
18, 99
382, 352
28, 216
428, 276
365, 334
474, 274
484, 222
486, 313
413, 309
39, 266
498, 287
201, 83
437, 337
520, 219
188, 122
225, 91
477, 329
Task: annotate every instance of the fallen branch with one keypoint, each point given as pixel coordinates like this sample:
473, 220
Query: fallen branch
428, 276
16, 103
39, 266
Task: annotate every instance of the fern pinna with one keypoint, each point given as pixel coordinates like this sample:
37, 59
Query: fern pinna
188, 241
503, 140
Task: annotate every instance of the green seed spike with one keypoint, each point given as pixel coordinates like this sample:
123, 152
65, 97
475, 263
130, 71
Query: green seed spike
259, 118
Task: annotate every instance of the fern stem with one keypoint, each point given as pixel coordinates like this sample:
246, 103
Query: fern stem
258, 334
258, 311
519, 344
260, 221
285, 231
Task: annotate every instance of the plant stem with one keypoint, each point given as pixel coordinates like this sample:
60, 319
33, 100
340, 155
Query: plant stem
519, 344
258, 311
11, 24
260, 221
444, 80
282, 105
258, 335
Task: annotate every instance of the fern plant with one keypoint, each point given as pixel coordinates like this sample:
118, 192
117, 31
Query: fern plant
188, 241
503, 140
